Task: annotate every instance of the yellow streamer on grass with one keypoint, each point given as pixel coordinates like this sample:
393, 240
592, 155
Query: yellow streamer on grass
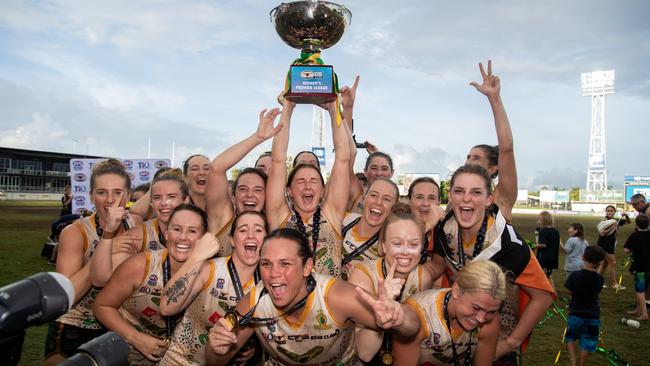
559, 352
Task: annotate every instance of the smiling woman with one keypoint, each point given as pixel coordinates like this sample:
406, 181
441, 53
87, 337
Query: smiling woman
130, 303
316, 215
299, 316
473, 232
460, 325
109, 190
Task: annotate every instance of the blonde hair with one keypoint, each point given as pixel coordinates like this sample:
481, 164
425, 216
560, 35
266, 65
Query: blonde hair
483, 275
545, 219
399, 212
110, 166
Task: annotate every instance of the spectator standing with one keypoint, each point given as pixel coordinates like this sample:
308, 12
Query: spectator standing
574, 248
638, 244
548, 244
584, 309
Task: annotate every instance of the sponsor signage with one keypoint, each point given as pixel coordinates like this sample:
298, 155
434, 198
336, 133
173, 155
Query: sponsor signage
139, 170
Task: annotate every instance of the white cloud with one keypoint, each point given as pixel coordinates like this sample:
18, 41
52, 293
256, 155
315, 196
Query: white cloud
38, 133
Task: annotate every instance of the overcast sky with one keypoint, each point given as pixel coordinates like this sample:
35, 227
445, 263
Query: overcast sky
111, 74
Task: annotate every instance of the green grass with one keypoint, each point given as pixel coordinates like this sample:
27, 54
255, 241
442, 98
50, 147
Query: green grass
627, 341
18, 203
24, 228
22, 233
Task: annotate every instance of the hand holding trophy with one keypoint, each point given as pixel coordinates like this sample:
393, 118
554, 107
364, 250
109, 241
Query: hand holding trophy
310, 26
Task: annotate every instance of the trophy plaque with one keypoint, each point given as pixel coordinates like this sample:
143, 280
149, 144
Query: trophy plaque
310, 26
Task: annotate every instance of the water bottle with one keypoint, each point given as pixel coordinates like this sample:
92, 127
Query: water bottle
631, 322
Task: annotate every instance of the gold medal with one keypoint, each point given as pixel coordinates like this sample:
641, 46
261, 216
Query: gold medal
232, 318
386, 358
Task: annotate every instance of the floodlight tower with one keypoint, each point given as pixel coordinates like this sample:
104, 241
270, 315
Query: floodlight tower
317, 127
597, 84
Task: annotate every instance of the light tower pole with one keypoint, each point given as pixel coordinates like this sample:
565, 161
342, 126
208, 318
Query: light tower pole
318, 135
597, 84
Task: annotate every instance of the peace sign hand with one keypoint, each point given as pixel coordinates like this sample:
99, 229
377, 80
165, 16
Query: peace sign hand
265, 129
388, 313
491, 84
390, 287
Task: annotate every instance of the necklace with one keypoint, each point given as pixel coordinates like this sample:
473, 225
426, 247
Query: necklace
243, 320
468, 351
478, 244
314, 231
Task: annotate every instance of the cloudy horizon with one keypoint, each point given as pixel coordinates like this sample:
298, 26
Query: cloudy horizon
195, 74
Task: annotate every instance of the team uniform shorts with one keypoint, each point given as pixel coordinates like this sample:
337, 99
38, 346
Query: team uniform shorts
641, 281
583, 329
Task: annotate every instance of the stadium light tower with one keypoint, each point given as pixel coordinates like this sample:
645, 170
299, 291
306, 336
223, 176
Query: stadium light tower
597, 84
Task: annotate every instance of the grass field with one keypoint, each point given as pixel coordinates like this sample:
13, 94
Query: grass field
23, 229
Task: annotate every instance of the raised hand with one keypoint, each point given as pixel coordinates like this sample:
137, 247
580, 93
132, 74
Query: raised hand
491, 85
116, 214
265, 129
390, 286
349, 94
151, 347
205, 248
221, 337
388, 312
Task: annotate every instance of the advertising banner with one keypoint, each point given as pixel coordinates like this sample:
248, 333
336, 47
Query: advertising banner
140, 171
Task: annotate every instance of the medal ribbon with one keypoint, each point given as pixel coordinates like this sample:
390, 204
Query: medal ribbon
248, 318
170, 321
236, 282
161, 237
468, 350
360, 249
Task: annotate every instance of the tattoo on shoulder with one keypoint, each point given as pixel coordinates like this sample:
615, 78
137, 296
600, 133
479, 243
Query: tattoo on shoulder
178, 288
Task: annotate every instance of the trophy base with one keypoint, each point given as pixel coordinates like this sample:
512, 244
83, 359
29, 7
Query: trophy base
311, 98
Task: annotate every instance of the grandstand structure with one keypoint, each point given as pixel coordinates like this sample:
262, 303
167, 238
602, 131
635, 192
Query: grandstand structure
32, 171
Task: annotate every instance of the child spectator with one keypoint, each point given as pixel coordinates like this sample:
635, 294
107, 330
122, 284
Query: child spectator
584, 310
574, 248
548, 244
638, 244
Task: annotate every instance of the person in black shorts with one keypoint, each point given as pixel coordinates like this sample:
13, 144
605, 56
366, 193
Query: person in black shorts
638, 244
607, 241
583, 324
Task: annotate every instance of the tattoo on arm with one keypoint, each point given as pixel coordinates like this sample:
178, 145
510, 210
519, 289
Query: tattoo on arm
178, 288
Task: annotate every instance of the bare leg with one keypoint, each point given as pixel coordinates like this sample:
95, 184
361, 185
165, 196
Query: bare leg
611, 267
583, 357
642, 312
571, 348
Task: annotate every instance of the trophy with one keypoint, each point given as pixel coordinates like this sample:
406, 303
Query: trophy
310, 26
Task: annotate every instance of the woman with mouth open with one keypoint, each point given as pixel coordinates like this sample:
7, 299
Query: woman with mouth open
459, 325
361, 232
168, 191
400, 247
130, 303
314, 214
249, 189
206, 288
302, 317
470, 232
